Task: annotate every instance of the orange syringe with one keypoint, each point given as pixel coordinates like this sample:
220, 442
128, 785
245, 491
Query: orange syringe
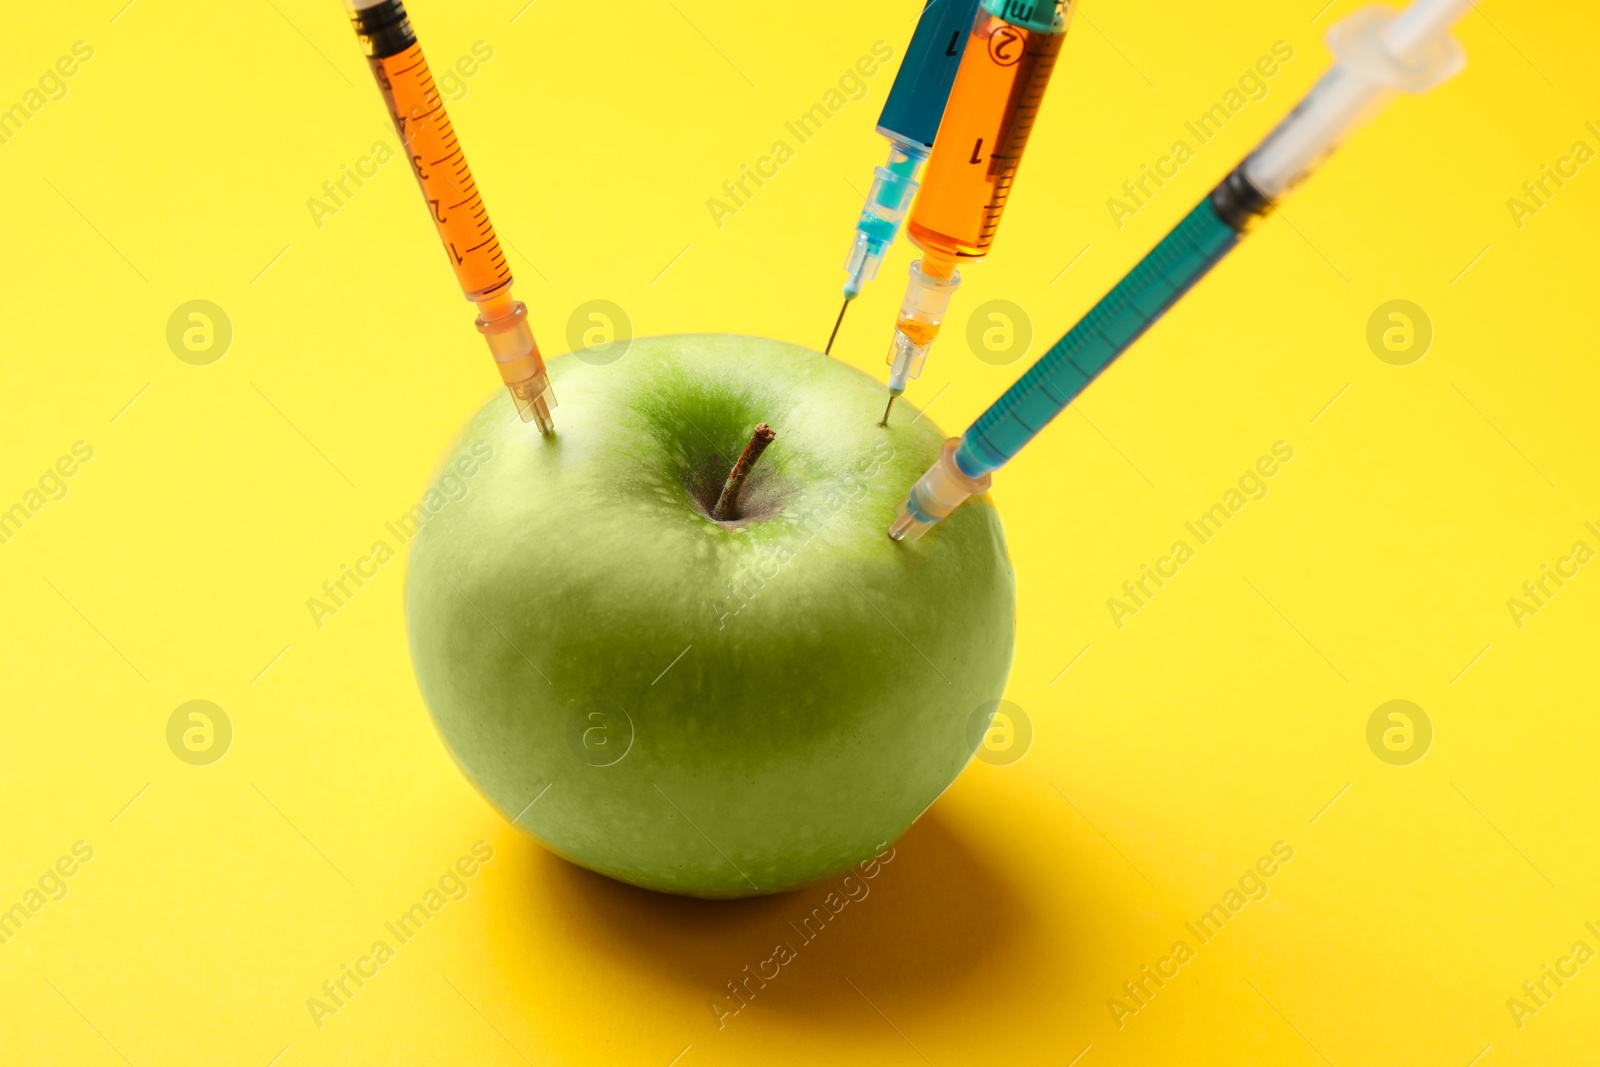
453, 201
1004, 71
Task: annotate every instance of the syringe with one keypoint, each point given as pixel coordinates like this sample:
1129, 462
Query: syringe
1004, 71
1378, 53
453, 201
910, 120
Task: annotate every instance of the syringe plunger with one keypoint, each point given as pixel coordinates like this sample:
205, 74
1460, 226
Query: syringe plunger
1421, 26
1379, 52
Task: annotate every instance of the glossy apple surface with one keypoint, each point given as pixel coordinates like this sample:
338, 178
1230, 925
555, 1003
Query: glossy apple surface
715, 709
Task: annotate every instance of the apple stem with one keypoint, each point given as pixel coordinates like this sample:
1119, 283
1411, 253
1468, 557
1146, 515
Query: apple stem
726, 508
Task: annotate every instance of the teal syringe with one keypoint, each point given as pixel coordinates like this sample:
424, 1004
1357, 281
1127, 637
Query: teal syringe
1378, 52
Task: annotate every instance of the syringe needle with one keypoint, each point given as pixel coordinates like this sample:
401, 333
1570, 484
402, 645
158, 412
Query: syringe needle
828, 351
885, 420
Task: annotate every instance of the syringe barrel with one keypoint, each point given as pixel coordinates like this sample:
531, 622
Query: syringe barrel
429, 143
1373, 64
922, 85
993, 106
1184, 256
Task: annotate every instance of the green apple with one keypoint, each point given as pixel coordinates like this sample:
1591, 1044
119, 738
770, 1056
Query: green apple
711, 708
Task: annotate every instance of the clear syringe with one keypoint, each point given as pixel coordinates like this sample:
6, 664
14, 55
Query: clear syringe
1378, 53
453, 200
910, 120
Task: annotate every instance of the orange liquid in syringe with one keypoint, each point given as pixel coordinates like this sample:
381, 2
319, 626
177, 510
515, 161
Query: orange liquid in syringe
992, 108
920, 333
441, 169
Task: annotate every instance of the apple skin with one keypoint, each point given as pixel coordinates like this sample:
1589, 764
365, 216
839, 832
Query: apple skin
578, 637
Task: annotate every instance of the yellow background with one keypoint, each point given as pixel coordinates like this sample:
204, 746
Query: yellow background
1230, 713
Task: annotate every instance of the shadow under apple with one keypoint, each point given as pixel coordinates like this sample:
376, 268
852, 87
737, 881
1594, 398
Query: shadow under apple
911, 931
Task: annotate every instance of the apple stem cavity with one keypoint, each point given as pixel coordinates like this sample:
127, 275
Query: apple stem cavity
727, 506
